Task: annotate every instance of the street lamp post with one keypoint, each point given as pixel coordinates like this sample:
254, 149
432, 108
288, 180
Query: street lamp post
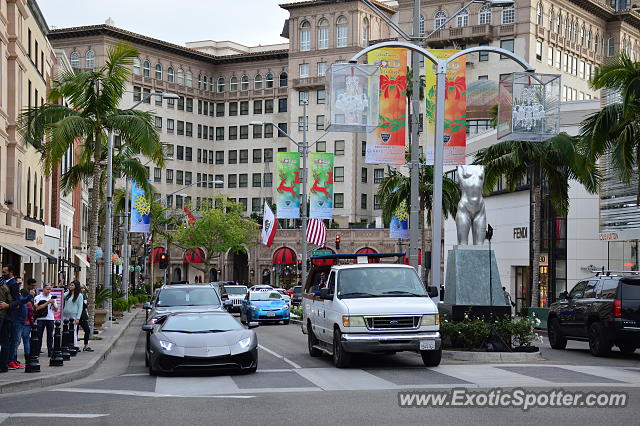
108, 245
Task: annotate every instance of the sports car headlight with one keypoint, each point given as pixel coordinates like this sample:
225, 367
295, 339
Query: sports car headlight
167, 346
254, 308
244, 343
353, 321
430, 319
285, 307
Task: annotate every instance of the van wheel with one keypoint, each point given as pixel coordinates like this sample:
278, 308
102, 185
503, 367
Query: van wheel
627, 347
431, 358
341, 358
556, 339
311, 342
599, 345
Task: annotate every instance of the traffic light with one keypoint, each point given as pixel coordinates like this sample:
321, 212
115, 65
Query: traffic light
164, 260
337, 242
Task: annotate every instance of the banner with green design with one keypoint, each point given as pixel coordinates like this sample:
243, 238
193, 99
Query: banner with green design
321, 192
287, 193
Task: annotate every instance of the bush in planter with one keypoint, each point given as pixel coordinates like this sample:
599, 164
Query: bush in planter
102, 294
120, 305
467, 334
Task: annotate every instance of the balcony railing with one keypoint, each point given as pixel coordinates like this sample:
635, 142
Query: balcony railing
308, 82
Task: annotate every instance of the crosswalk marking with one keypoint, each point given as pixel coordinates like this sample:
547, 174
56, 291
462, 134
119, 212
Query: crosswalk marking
196, 385
326, 379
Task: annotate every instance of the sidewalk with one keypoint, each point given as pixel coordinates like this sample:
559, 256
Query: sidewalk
83, 364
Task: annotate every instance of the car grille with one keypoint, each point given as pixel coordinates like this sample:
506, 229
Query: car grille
392, 323
171, 363
236, 302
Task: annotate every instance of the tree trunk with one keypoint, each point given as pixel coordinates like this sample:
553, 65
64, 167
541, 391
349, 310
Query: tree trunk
94, 207
536, 235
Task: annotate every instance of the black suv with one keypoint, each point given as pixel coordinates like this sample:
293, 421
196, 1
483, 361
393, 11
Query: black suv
603, 310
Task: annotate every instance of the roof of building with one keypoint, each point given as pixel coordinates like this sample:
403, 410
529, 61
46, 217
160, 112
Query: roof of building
306, 3
119, 33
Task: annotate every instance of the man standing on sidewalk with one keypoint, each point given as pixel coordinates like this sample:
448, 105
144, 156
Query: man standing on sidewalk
45, 301
14, 319
5, 299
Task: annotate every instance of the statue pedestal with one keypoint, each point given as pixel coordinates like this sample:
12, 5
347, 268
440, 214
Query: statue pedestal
473, 284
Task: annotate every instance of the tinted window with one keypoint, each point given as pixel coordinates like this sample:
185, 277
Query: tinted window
590, 289
578, 290
379, 282
630, 289
609, 288
200, 323
188, 297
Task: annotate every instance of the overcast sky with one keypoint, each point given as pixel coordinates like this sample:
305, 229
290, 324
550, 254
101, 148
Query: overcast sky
249, 22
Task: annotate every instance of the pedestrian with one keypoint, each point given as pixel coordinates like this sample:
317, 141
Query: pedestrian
5, 300
28, 321
84, 322
14, 320
507, 298
45, 305
72, 307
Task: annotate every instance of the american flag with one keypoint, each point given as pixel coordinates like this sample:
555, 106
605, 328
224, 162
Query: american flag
316, 232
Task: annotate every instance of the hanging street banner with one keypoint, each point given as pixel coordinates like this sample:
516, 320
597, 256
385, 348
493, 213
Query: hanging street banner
386, 144
288, 190
399, 226
140, 209
321, 194
455, 110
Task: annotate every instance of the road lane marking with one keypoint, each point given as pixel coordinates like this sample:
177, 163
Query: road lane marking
4, 416
147, 394
282, 357
134, 374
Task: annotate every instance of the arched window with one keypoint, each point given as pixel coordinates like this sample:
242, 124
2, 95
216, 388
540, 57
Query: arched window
582, 35
365, 32
559, 24
508, 15
484, 16
170, 75
146, 69
589, 39
204, 83
284, 79
575, 31
35, 194
421, 27
305, 36
244, 83
257, 82
200, 81
463, 18
342, 32
233, 84
611, 46
439, 19
323, 34
74, 58
539, 15
211, 84
158, 72
89, 59
552, 20
188, 79
269, 81
567, 28
29, 191
220, 84
180, 77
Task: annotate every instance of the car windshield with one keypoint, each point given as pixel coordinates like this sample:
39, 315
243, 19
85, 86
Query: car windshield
236, 290
379, 282
265, 295
188, 297
200, 323
297, 290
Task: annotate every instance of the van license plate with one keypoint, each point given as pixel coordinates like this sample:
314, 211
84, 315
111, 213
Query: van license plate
271, 314
427, 345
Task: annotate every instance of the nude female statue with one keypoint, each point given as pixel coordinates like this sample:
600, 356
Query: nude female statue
471, 213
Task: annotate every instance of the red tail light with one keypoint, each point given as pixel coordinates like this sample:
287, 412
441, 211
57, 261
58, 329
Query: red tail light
617, 308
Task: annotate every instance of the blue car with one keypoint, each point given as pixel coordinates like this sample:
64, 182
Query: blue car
264, 306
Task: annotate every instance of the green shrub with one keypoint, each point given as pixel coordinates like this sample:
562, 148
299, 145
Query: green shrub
102, 294
120, 305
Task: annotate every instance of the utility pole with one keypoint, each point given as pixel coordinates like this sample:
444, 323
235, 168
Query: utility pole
125, 243
108, 224
304, 152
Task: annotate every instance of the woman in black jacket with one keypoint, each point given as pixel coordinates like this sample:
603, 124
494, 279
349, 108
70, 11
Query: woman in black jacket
84, 323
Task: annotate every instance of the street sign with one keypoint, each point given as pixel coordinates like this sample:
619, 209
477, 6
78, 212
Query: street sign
321, 252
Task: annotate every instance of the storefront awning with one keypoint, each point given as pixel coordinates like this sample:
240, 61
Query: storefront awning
27, 255
82, 260
69, 263
52, 259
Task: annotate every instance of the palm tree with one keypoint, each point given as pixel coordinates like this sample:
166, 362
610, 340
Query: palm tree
93, 98
556, 161
615, 128
395, 189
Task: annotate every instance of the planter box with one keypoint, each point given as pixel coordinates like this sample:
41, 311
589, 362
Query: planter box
488, 357
100, 317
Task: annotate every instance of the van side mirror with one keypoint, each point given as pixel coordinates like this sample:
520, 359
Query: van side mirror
146, 306
433, 291
147, 328
325, 295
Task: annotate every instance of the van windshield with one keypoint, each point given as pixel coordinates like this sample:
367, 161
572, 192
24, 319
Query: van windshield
379, 282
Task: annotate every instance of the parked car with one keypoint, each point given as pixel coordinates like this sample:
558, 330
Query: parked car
261, 287
603, 310
284, 294
236, 294
264, 306
370, 308
295, 293
200, 341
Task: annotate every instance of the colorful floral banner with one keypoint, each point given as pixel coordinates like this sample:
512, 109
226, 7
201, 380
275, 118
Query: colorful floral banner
386, 144
399, 227
321, 178
288, 190
455, 110
140, 209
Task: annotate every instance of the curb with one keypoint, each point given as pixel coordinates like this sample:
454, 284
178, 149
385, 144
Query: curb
295, 321
69, 376
489, 357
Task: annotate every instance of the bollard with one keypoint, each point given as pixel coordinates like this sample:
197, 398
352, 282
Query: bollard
65, 340
73, 351
33, 364
56, 359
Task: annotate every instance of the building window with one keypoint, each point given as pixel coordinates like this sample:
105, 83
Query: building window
323, 34
268, 106
284, 79
146, 69
187, 178
257, 107
303, 97
244, 108
257, 132
282, 130
233, 109
179, 152
243, 204
319, 122
363, 175
233, 84
484, 16
257, 82
321, 96
611, 47
364, 148
74, 59
338, 200
157, 174
303, 124
232, 181
219, 157
244, 156
169, 175
137, 93
244, 132
538, 50
244, 180
304, 70
219, 133
342, 32
506, 45
282, 105
376, 203
256, 180
322, 69
483, 56
170, 125
363, 201
158, 122
422, 25
475, 127
539, 15
189, 129
378, 175
508, 15
305, 36
179, 177
321, 146
257, 156
220, 85
188, 79
365, 32
439, 20
89, 58
233, 157
268, 155
463, 18
269, 81
339, 148
338, 174
170, 75
244, 82
168, 151
189, 104
268, 180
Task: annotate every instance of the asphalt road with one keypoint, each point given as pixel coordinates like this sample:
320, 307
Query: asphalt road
293, 388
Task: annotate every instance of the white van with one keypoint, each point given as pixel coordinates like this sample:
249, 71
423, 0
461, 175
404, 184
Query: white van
371, 308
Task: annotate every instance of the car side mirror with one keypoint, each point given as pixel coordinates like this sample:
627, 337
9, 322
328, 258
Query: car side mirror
433, 291
146, 306
147, 328
254, 324
563, 296
325, 295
